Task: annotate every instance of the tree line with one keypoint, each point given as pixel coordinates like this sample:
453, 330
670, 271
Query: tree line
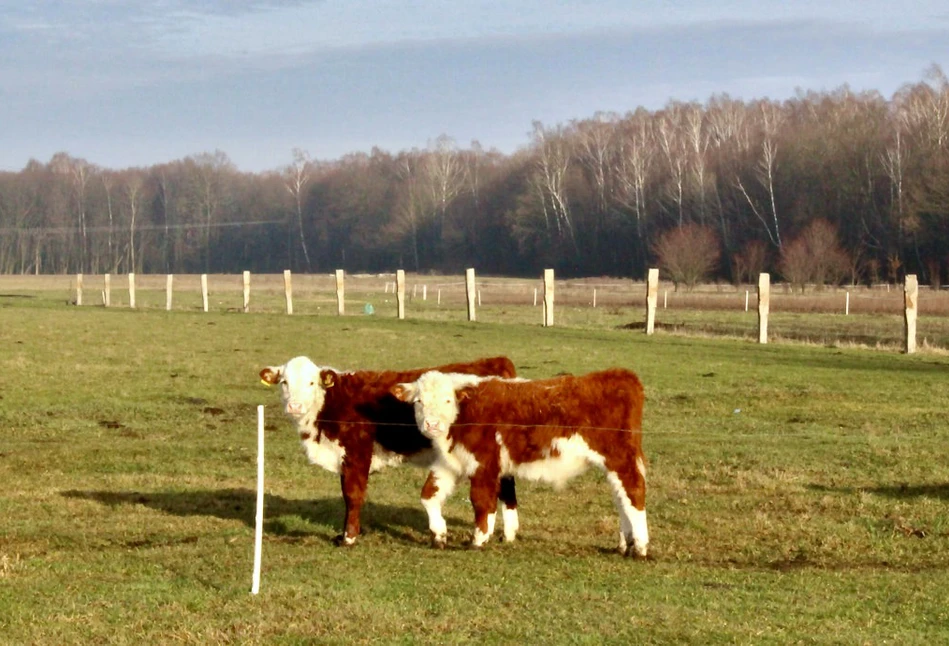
823, 187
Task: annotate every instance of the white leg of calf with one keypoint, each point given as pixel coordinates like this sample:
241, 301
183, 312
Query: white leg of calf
436, 522
511, 522
445, 484
640, 532
480, 538
634, 535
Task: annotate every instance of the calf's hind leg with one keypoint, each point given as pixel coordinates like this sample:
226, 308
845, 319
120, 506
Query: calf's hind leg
629, 496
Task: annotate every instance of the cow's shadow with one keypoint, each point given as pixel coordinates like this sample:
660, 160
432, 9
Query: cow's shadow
408, 524
899, 491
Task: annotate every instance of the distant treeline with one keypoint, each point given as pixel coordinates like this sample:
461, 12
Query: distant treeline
590, 197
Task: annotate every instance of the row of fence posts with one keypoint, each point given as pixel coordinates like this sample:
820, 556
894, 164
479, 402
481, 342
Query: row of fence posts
472, 295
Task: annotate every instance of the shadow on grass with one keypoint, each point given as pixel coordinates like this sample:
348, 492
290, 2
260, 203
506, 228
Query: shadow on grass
403, 523
901, 491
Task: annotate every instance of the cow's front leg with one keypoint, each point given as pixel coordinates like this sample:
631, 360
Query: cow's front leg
484, 500
353, 479
438, 486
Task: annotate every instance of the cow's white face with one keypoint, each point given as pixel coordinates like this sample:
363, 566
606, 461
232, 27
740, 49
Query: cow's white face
301, 390
435, 399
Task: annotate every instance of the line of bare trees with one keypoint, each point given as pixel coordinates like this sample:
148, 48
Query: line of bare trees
825, 187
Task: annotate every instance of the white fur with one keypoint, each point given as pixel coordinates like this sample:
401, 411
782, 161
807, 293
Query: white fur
482, 538
575, 456
511, 522
435, 400
445, 483
324, 452
632, 521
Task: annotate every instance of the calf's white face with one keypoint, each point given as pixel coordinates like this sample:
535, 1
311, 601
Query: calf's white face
300, 388
435, 400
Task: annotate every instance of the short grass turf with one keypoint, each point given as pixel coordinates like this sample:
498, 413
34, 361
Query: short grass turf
796, 493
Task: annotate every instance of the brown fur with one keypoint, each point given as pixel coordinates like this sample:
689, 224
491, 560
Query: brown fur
359, 411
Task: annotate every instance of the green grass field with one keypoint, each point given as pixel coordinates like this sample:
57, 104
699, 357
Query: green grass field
797, 493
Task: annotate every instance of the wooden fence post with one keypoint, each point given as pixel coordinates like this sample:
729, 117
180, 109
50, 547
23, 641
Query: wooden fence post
652, 298
340, 292
911, 301
470, 292
288, 290
108, 290
400, 292
168, 283
424, 292
132, 291
78, 289
204, 291
847, 305
246, 292
548, 298
594, 298
764, 306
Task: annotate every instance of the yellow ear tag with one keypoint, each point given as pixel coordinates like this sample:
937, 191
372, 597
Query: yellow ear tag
265, 382
327, 381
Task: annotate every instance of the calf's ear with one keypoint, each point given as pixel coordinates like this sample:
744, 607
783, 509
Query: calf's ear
269, 376
463, 394
402, 392
327, 378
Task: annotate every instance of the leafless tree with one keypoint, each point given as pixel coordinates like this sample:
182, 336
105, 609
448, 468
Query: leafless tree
296, 177
634, 169
770, 119
133, 193
210, 170
669, 131
553, 161
687, 254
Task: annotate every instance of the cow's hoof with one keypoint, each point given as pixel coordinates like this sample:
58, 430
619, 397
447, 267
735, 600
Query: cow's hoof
633, 553
439, 543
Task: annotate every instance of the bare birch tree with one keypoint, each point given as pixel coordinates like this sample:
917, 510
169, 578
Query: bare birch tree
296, 177
553, 162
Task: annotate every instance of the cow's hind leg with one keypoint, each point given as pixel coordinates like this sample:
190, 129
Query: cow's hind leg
438, 486
508, 499
629, 496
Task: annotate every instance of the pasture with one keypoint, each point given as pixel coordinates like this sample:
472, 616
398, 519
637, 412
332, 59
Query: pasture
796, 492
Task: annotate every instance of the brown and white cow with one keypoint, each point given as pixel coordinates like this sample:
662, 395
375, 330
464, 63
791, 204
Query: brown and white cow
548, 430
350, 424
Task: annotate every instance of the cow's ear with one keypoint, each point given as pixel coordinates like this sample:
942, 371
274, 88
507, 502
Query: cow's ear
327, 378
270, 376
463, 394
402, 392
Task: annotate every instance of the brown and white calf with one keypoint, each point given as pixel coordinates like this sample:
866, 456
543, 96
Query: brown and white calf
350, 424
548, 430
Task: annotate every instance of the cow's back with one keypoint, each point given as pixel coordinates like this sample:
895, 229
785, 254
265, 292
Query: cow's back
604, 407
360, 405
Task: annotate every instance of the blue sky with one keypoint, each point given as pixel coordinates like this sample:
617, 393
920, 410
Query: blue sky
124, 83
